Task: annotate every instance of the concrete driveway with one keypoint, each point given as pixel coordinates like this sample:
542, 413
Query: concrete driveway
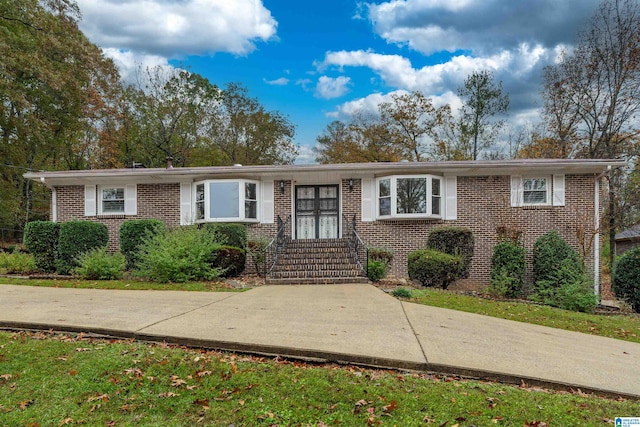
342, 323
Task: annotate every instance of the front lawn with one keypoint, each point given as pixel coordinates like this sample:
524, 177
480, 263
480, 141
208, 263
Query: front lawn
57, 380
624, 327
133, 284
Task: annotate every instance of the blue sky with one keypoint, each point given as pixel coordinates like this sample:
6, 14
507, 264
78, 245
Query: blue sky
317, 61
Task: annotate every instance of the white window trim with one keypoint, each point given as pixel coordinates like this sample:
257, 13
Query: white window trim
100, 200
548, 190
394, 197
241, 200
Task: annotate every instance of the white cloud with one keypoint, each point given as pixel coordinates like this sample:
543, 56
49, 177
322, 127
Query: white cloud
397, 71
129, 62
304, 83
282, 81
306, 155
329, 88
481, 26
174, 28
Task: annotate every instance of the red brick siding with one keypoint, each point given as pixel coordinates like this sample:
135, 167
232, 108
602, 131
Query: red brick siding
483, 205
159, 201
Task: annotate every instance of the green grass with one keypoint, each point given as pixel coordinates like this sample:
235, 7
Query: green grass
56, 380
133, 284
624, 327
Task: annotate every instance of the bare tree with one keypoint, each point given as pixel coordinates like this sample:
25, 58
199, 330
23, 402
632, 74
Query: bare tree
598, 85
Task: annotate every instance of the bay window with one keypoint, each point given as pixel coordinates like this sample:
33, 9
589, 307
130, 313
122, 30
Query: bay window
415, 196
226, 200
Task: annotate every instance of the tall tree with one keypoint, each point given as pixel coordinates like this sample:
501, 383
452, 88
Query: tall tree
413, 123
168, 112
483, 100
242, 131
52, 82
600, 81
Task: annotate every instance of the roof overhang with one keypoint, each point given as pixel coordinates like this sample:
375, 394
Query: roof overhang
324, 172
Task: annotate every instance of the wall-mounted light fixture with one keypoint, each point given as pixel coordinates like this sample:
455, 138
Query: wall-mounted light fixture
282, 187
350, 185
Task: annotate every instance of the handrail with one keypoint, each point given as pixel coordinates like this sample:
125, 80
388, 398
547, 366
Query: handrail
275, 246
359, 248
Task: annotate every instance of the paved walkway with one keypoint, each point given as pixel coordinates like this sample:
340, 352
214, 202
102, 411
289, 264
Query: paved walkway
342, 323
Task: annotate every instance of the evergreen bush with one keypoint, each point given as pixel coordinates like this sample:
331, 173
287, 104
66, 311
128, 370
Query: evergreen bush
376, 270
17, 263
434, 268
133, 232
178, 255
626, 278
98, 264
41, 240
228, 234
401, 293
230, 260
549, 251
77, 237
507, 269
456, 241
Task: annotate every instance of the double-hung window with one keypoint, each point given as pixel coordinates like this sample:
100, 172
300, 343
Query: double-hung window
415, 196
226, 200
535, 191
111, 200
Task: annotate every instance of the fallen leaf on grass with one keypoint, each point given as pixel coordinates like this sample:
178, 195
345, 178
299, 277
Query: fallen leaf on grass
390, 407
201, 374
81, 349
26, 403
73, 372
176, 381
168, 394
103, 397
6, 377
535, 424
66, 421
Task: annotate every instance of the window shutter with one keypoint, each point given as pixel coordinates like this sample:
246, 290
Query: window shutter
516, 191
558, 190
451, 197
89, 200
186, 211
131, 199
54, 205
268, 206
368, 199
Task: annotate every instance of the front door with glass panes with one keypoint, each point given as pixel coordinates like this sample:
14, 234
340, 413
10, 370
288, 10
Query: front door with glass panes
317, 213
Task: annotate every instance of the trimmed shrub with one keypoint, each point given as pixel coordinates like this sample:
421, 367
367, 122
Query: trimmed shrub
97, 264
17, 263
433, 268
228, 234
132, 235
376, 270
456, 241
77, 237
381, 254
229, 260
507, 269
626, 278
401, 293
178, 255
41, 239
568, 288
549, 251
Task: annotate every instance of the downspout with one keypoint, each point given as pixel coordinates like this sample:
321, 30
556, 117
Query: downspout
596, 243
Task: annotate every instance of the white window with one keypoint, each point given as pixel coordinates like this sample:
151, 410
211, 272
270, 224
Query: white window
226, 200
535, 191
416, 196
111, 200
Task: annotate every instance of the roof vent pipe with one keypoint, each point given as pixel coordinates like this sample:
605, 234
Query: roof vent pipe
169, 162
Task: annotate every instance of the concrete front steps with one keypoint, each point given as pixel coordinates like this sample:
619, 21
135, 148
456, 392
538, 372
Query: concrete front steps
321, 261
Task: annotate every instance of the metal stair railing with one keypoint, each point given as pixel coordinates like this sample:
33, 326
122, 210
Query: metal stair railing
359, 250
276, 246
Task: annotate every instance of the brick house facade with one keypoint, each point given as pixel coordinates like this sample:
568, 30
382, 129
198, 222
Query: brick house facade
531, 197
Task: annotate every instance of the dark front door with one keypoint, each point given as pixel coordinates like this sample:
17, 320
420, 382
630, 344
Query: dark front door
317, 212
